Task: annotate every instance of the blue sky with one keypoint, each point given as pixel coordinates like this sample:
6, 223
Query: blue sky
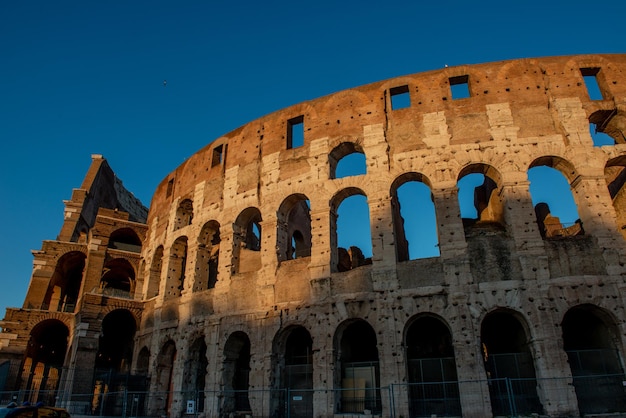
86, 77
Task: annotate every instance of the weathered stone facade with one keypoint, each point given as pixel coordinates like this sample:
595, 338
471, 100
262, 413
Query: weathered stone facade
240, 286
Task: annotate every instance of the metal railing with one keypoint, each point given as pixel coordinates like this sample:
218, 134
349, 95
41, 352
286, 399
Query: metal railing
597, 394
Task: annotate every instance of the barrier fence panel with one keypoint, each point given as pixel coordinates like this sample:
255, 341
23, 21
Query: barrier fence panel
596, 394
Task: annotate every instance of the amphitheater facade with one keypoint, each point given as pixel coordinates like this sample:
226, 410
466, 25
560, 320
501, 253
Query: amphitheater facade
231, 295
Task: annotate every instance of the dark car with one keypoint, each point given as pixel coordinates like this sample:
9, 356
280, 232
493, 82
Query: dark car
32, 411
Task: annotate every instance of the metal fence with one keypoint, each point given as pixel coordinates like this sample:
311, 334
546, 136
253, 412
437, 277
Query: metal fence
600, 394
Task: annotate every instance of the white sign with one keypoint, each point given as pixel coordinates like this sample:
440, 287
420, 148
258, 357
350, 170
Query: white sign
191, 407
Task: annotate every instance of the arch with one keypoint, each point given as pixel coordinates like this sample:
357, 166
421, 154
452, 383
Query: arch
349, 154
350, 235
177, 267
118, 278
64, 287
125, 239
115, 345
293, 228
44, 359
154, 279
207, 257
557, 215
184, 214
357, 372
247, 235
143, 361
431, 368
235, 374
292, 360
479, 195
509, 364
195, 372
591, 340
164, 374
615, 175
414, 217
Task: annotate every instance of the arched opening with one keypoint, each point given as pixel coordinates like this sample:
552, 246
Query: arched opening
293, 228
479, 197
357, 371
607, 127
615, 175
414, 219
433, 385
115, 345
184, 214
154, 280
164, 372
143, 361
142, 376
557, 215
125, 239
118, 278
194, 377
113, 359
236, 374
293, 362
591, 341
347, 159
351, 237
44, 359
208, 255
176, 268
509, 365
491, 250
63, 290
247, 241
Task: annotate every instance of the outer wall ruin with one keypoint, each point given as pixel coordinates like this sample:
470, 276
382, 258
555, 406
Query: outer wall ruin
233, 291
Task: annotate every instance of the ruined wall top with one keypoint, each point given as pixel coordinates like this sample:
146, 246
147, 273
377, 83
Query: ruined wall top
521, 93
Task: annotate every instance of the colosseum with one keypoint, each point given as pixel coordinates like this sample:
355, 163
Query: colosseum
231, 296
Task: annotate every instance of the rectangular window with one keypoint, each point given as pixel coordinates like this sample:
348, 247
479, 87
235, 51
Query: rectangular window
218, 155
400, 98
295, 132
459, 87
591, 82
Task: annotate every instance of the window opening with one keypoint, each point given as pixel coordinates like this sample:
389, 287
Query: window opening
218, 155
347, 159
600, 138
354, 240
400, 98
351, 165
459, 87
295, 132
254, 239
467, 189
293, 232
591, 82
184, 214
557, 214
415, 222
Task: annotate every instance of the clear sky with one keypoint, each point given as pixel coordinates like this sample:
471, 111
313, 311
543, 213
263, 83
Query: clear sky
86, 77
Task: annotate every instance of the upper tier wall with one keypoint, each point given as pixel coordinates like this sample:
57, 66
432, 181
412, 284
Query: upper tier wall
511, 101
